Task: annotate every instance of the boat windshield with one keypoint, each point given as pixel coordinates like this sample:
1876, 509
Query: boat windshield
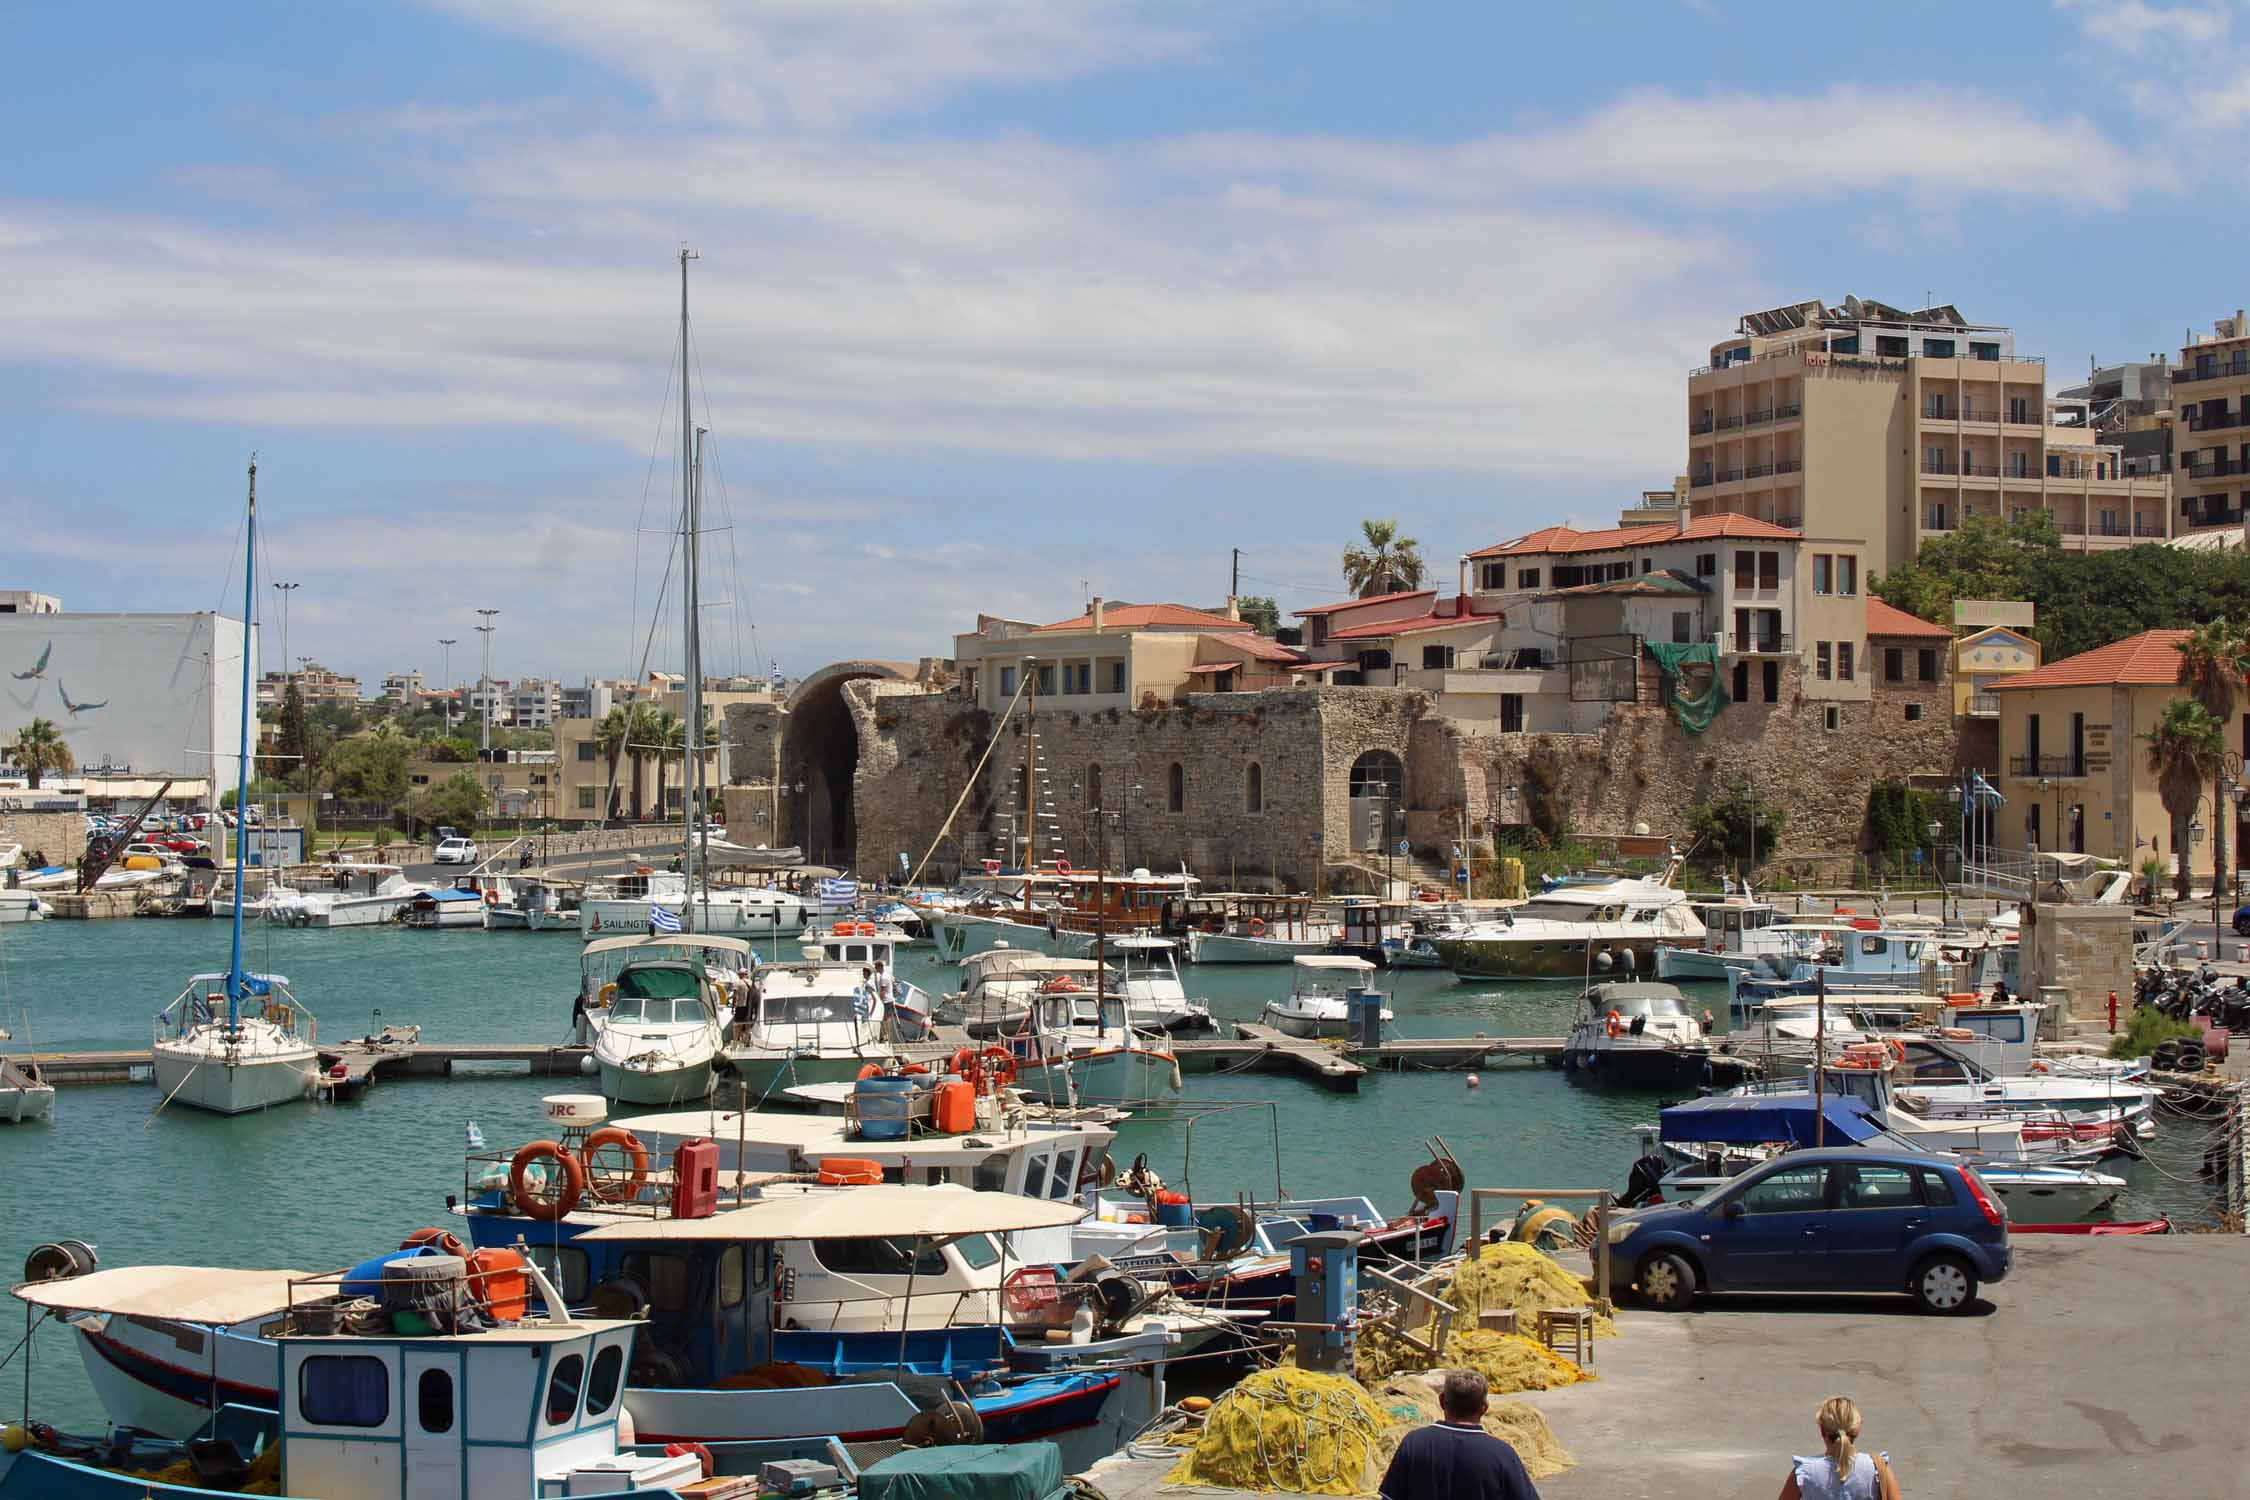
1566, 911
636, 1010
810, 1010
1651, 1006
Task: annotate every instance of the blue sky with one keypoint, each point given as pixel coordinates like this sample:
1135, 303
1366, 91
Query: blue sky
1000, 301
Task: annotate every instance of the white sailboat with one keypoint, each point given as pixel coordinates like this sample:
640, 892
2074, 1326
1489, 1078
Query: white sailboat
246, 1046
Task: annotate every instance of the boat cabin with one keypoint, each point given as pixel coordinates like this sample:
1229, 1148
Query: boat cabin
1637, 1005
663, 967
1330, 975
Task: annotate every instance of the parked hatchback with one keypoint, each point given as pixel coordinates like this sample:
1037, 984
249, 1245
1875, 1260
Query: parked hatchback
456, 851
1823, 1221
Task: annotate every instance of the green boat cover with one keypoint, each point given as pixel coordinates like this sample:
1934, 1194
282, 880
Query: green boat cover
977, 1471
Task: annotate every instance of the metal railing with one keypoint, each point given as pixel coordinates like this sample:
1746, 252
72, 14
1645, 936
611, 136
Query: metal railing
1940, 466
2198, 421
1755, 418
1758, 471
1784, 410
2047, 765
1788, 465
2147, 528
1981, 471
2239, 365
2217, 468
1762, 643
1700, 481
1700, 426
1984, 705
1728, 476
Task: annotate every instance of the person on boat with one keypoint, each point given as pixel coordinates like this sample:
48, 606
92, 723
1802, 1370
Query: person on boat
2000, 990
1455, 1458
1709, 1020
746, 1010
1841, 1472
881, 985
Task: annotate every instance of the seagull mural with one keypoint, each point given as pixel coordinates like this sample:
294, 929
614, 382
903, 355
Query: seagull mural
38, 668
75, 709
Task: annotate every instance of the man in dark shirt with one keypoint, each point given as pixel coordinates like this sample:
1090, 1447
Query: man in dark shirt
1457, 1459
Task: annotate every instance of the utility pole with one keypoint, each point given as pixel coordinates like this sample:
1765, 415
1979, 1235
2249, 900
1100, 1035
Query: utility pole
1234, 577
449, 642
484, 687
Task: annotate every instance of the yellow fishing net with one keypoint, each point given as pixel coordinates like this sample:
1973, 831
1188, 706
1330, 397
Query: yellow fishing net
1508, 1362
1518, 1276
1410, 1401
1290, 1429
265, 1474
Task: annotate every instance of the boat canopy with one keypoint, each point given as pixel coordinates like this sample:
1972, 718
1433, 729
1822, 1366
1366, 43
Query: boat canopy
1756, 1120
186, 1294
734, 946
874, 1212
1333, 962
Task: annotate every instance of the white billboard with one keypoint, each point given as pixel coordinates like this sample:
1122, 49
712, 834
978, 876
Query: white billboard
159, 694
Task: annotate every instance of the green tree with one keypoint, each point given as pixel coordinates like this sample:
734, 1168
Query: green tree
458, 801
612, 735
640, 742
457, 749
39, 748
2185, 750
667, 738
369, 768
1387, 564
1259, 612
2211, 663
1984, 558
1740, 825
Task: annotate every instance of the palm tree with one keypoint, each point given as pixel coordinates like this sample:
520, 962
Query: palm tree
612, 734
640, 742
2185, 750
668, 738
38, 749
1388, 563
2211, 666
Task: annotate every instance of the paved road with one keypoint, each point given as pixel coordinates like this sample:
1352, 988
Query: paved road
587, 865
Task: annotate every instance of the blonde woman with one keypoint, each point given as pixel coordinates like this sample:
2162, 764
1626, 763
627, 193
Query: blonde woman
1842, 1472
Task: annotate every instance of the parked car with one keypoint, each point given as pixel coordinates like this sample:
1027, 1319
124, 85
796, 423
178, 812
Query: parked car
1853, 1220
2242, 920
456, 851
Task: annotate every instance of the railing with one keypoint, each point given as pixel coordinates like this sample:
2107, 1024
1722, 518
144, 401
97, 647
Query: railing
1787, 409
1725, 424
2239, 365
2147, 528
2023, 416
1936, 520
1940, 466
1728, 476
2021, 471
1791, 522
1700, 426
1979, 414
1758, 471
2070, 528
1757, 643
1788, 465
2199, 422
1700, 481
1981, 471
2047, 765
1755, 418
2217, 468
1984, 705
2211, 518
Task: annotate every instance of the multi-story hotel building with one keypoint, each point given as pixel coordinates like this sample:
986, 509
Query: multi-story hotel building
1864, 421
2211, 427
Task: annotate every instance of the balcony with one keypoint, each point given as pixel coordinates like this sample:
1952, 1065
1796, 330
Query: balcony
2239, 365
1980, 414
1787, 409
1981, 471
2198, 422
1700, 425
1728, 424
1726, 476
2147, 528
2061, 767
1758, 418
1984, 705
2216, 468
1758, 471
1788, 465
1940, 466
2207, 519
1762, 643
1700, 481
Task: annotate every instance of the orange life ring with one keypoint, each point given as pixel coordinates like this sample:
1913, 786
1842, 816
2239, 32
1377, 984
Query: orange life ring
445, 1240
1615, 1023
964, 1062
1256, 927
491, 896
871, 1070
539, 1205
1002, 1068
607, 1189
912, 1068
850, 1171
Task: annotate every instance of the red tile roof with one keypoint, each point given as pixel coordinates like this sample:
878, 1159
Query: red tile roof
1329, 609
1702, 528
1383, 629
1258, 647
2150, 659
1132, 616
1887, 619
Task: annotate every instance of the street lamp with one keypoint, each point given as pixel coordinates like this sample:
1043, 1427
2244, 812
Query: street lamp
485, 685
448, 642
285, 589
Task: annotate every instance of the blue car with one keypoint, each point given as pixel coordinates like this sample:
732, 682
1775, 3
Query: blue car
1850, 1220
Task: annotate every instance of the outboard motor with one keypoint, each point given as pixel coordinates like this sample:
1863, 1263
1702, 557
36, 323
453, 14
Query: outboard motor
1643, 1185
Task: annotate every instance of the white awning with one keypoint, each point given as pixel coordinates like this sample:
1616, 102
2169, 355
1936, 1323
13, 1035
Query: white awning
1333, 961
876, 1211
213, 1295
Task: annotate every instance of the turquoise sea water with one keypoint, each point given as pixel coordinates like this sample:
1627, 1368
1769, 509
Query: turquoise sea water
316, 1186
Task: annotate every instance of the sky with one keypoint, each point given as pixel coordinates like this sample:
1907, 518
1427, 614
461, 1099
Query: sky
998, 303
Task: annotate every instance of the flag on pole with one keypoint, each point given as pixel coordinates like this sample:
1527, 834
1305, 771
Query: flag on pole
1985, 792
839, 888
660, 919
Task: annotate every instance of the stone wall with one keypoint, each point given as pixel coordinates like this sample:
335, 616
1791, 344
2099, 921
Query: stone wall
61, 836
2084, 951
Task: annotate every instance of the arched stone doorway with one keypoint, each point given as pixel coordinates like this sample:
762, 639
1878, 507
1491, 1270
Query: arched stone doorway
820, 759
1378, 799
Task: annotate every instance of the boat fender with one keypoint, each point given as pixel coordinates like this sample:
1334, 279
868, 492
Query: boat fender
1256, 927
1958, 1034
549, 1202
850, 1171
606, 1182
871, 1070
910, 1068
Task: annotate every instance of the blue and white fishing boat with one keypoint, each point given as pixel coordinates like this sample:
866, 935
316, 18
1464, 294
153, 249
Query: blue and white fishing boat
237, 1042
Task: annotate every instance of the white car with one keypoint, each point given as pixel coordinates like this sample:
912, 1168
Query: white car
456, 852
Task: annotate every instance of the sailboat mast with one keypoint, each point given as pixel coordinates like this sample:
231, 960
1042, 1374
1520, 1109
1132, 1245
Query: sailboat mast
692, 773
687, 587
242, 761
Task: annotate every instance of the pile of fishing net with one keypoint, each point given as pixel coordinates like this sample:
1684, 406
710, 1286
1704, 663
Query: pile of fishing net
1508, 1361
264, 1477
1293, 1430
1512, 1275
780, 1374
1411, 1401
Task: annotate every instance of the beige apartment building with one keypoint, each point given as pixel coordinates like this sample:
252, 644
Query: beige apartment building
1868, 422
1123, 656
2211, 427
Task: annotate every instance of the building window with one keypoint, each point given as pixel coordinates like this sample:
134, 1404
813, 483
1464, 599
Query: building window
1437, 656
1706, 564
1047, 681
1175, 796
1648, 565
1683, 627
1823, 573
1769, 570
1823, 662
585, 799
1007, 682
1832, 718
1117, 677
1925, 662
344, 1390
1894, 664
1492, 577
587, 750
1773, 682
1511, 713
1913, 712
1843, 661
1746, 570
1527, 578
1742, 682
1984, 351
1937, 348
1254, 788
1847, 574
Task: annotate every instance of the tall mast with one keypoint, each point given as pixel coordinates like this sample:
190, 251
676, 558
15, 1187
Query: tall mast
692, 774
242, 761
687, 590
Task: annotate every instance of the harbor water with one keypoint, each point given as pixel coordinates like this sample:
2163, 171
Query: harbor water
316, 1186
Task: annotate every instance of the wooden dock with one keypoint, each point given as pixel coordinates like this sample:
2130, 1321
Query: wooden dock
362, 1063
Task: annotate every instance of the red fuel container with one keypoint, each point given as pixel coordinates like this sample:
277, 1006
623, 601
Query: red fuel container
695, 1179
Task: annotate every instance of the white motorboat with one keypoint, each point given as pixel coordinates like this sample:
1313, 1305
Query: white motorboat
1637, 1034
447, 907
623, 905
1079, 1049
651, 1009
1322, 994
350, 895
1257, 930
1736, 930
1600, 930
1145, 970
999, 985
531, 903
811, 1022
24, 1095
21, 906
236, 1042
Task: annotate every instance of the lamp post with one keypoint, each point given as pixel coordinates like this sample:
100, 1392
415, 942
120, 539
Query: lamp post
449, 642
285, 589
484, 686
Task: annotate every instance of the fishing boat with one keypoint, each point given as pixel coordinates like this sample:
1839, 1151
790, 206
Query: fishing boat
1145, 971
1322, 997
24, 1094
1251, 929
999, 985
1574, 931
1736, 930
534, 903
449, 907
1060, 912
1867, 955
236, 1042
1637, 1034
1079, 1049
343, 895
651, 1007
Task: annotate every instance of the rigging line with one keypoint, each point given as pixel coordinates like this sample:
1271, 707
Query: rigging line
734, 561
648, 483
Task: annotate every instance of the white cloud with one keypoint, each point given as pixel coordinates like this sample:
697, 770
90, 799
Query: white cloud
2184, 66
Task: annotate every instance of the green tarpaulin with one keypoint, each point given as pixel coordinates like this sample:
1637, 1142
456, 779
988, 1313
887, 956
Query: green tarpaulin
980, 1471
1694, 711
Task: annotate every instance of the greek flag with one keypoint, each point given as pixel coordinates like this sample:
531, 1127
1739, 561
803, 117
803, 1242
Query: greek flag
661, 920
1985, 793
839, 889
